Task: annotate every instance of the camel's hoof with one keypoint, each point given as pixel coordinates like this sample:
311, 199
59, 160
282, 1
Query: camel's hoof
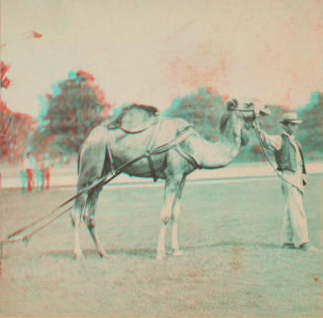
79, 256
160, 256
177, 253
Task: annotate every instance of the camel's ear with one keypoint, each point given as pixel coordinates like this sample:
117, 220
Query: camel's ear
264, 111
249, 104
232, 104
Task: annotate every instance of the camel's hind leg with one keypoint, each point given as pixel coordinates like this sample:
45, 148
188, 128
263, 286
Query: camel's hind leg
89, 219
92, 166
76, 215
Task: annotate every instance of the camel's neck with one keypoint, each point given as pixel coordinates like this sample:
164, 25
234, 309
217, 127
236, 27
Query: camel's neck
220, 154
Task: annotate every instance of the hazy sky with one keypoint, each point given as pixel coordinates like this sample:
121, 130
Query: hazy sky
150, 51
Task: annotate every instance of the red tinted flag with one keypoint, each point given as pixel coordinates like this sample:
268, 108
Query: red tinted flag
33, 35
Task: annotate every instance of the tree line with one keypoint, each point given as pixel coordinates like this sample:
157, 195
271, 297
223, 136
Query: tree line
205, 107
76, 105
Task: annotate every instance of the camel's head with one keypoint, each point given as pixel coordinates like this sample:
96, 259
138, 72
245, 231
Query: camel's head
248, 110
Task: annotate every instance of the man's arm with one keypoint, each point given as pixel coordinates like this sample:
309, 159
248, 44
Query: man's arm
272, 142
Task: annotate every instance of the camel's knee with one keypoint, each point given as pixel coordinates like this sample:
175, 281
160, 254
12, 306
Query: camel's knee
166, 217
89, 221
72, 219
75, 217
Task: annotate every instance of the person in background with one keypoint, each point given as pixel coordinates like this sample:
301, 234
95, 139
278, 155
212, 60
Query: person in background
39, 174
23, 174
290, 162
34, 167
46, 171
27, 165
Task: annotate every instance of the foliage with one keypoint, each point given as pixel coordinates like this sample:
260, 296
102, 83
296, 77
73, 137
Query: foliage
4, 81
205, 107
68, 115
203, 110
15, 127
15, 131
310, 133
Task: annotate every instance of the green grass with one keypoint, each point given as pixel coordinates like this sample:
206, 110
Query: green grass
232, 263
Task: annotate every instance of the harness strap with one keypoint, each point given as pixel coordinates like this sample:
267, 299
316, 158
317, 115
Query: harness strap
149, 146
169, 145
47, 219
188, 157
160, 149
111, 160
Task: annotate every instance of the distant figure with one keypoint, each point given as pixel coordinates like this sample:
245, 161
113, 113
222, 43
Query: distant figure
290, 162
46, 171
39, 173
27, 165
23, 175
34, 167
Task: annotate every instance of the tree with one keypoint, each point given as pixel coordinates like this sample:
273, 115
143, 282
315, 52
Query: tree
68, 115
4, 81
15, 131
310, 133
202, 109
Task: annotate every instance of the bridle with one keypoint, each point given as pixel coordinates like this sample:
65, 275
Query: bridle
250, 107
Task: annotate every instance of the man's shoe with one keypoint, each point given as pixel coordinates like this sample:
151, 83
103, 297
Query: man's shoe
307, 247
288, 245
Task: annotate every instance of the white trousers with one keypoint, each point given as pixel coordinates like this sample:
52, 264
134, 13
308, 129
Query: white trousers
294, 223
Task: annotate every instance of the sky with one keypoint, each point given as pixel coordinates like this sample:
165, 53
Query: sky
151, 51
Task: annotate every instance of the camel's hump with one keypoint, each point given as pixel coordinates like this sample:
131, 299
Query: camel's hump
134, 116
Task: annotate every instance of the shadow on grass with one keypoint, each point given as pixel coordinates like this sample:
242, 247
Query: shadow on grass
93, 254
151, 253
261, 245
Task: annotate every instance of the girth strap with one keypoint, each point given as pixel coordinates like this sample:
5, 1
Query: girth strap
158, 150
188, 157
149, 147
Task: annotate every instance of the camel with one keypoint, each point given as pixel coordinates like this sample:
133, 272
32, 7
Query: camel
139, 130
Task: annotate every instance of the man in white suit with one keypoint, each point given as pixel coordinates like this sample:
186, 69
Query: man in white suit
290, 162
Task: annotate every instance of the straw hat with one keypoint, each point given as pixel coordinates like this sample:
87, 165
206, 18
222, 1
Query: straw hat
290, 117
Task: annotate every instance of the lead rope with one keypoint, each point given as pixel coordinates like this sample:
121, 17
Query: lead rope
269, 160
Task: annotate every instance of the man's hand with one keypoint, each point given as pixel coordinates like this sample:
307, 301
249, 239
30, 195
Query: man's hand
304, 179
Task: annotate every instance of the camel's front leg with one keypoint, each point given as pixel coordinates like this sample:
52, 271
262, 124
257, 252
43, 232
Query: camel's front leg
171, 189
175, 219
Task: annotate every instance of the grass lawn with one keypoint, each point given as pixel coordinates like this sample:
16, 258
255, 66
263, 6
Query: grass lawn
232, 263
